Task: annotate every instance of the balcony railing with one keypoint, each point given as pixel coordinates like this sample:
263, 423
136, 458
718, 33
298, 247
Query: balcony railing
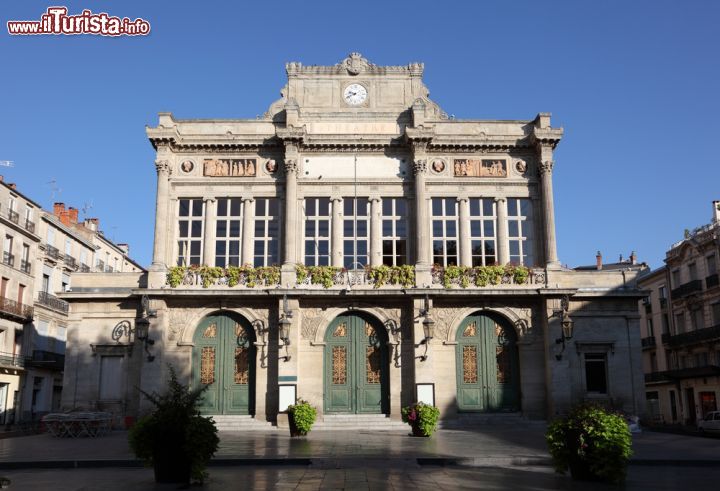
30, 226
8, 259
47, 360
52, 252
487, 277
13, 216
694, 337
687, 289
84, 268
53, 302
11, 360
70, 261
11, 307
648, 342
25, 266
100, 267
665, 338
683, 373
712, 281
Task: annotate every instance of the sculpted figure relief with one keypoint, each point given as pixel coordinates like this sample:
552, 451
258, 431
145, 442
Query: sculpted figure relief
480, 168
271, 166
229, 168
187, 166
438, 166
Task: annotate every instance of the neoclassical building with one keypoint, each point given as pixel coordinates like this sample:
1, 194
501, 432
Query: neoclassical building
358, 248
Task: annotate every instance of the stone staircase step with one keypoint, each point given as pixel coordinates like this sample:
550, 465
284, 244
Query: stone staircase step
372, 422
240, 422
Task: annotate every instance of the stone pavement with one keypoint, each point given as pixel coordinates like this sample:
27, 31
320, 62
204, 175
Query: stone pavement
496, 446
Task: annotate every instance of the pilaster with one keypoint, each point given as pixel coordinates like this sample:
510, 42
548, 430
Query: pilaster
248, 231
336, 242
376, 258
291, 165
464, 226
210, 205
158, 269
502, 245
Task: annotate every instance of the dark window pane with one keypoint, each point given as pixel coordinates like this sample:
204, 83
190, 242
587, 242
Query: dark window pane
348, 207
260, 207
259, 248
437, 207
476, 247
348, 262
234, 247
362, 247
195, 247
183, 229
220, 248
196, 228
309, 248
259, 228
474, 207
272, 207
437, 247
219, 262
490, 247
362, 228
388, 261
475, 228
513, 229
220, 228
477, 261
525, 209
514, 247
451, 247
197, 208
309, 228
401, 248
401, 228
400, 207
512, 207
234, 261
184, 207
323, 261
387, 247
235, 207
452, 260
259, 262
309, 261
324, 207
348, 228
450, 204
348, 248
437, 228
362, 207
387, 206
222, 207
272, 228
489, 228
323, 228
387, 228
323, 247
272, 251
488, 207
595, 377
450, 229
310, 207
234, 228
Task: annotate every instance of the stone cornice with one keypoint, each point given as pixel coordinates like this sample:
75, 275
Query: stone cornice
546, 136
354, 64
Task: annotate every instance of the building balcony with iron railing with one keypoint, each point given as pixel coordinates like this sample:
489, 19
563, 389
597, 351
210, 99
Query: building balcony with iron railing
70, 261
53, 302
25, 266
100, 267
84, 268
15, 310
648, 342
30, 226
8, 259
672, 376
686, 289
52, 252
694, 337
11, 360
13, 216
46, 359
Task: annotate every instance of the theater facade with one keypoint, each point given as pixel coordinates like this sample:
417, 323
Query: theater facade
358, 248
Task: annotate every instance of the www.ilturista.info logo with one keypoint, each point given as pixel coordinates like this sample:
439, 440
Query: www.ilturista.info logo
57, 21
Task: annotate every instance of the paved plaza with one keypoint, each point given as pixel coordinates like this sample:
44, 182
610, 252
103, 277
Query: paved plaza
497, 458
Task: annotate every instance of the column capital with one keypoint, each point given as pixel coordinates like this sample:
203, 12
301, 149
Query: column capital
291, 166
419, 167
209, 199
374, 199
546, 167
163, 168
336, 198
500, 200
248, 200
462, 199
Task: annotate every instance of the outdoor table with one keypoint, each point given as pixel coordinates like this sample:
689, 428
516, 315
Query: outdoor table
74, 425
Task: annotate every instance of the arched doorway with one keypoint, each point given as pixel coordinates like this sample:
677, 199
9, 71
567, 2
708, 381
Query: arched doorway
224, 359
488, 377
356, 366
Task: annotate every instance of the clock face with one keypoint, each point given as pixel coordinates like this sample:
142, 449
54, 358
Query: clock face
355, 94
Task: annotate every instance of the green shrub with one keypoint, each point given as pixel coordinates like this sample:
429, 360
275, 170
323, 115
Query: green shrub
591, 437
421, 416
303, 414
175, 425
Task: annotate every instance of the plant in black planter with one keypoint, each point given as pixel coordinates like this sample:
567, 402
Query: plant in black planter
175, 439
301, 417
592, 442
421, 417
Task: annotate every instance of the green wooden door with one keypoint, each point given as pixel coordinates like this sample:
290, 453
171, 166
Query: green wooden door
356, 366
487, 366
224, 359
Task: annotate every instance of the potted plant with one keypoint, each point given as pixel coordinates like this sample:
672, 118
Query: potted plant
175, 439
421, 417
592, 442
301, 417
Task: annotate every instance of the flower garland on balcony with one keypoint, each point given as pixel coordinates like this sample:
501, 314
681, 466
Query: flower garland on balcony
319, 275
480, 275
393, 275
266, 275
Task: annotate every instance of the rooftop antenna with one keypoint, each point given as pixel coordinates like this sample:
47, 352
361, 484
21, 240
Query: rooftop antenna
7, 163
87, 207
55, 189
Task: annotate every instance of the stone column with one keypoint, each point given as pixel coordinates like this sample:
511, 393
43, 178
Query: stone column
546, 188
422, 236
209, 232
464, 242
376, 258
248, 232
161, 212
288, 276
336, 239
501, 236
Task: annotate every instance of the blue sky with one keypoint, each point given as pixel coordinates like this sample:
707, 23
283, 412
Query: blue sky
634, 84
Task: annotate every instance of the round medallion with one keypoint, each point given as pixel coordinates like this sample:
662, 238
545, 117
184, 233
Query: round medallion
187, 166
521, 166
438, 166
271, 166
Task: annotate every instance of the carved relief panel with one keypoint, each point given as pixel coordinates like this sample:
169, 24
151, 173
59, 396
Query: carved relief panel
480, 168
229, 167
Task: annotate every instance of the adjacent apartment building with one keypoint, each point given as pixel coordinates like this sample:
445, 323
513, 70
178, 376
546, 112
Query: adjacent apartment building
680, 324
42, 252
358, 248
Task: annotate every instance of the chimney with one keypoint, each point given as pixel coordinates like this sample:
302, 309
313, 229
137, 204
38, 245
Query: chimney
58, 208
65, 217
92, 224
715, 215
125, 248
12, 185
2, 178
633, 258
598, 259
73, 213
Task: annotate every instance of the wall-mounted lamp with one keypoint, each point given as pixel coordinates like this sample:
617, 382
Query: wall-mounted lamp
260, 328
141, 331
284, 328
428, 328
394, 330
566, 323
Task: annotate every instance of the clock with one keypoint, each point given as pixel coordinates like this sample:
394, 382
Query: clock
355, 94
